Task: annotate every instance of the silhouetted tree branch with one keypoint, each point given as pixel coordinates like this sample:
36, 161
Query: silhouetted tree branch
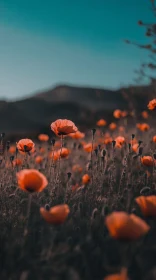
151, 48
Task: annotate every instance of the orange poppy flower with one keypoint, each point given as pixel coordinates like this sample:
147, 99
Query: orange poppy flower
138, 125
77, 135
88, 147
145, 114
31, 152
121, 128
42, 150
77, 168
112, 126
101, 122
85, 179
147, 161
107, 134
100, 140
25, 145
117, 114
143, 126
64, 153
120, 140
54, 155
154, 138
118, 276
152, 104
56, 215
43, 137
135, 148
31, 180
134, 141
98, 132
124, 114
63, 127
57, 144
39, 159
17, 162
107, 140
75, 187
147, 205
83, 143
118, 145
124, 226
12, 149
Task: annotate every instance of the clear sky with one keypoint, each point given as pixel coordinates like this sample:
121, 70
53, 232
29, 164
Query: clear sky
47, 42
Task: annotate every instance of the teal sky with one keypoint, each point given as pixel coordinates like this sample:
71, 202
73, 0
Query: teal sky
45, 43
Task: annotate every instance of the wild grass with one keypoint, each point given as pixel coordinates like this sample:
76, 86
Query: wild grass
81, 247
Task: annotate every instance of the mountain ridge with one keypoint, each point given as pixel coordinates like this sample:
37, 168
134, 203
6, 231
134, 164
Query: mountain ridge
83, 105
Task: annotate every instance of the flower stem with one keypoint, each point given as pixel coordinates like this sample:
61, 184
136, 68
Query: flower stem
28, 214
59, 161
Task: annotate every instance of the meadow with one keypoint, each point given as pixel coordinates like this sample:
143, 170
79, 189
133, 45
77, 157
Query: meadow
80, 205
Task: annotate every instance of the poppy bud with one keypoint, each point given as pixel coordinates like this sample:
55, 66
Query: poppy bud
79, 146
133, 211
113, 143
99, 147
80, 205
11, 158
94, 213
145, 191
93, 131
8, 145
135, 157
47, 207
139, 142
133, 136
96, 152
88, 165
53, 141
2, 135
103, 153
74, 145
69, 175
140, 151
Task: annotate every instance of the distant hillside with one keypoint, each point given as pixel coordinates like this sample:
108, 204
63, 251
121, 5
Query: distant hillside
89, 97
82, 105
98, 98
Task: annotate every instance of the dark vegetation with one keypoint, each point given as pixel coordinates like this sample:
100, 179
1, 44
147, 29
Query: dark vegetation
83, 105
81, 248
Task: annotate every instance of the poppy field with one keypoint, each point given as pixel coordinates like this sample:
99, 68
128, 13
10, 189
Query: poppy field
80, 204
